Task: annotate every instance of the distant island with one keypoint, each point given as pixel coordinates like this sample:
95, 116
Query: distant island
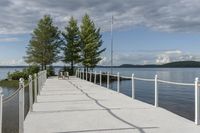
178, 64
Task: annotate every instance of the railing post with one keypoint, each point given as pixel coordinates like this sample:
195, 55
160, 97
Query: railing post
133, 87
118, 83
21, 105
1, 108
41, 79
108, 80
30, 93
197, 102
90, 76
100, 79
45, 75
35, 87
86, 75
156, 90
38, 83
95, 77
83, 74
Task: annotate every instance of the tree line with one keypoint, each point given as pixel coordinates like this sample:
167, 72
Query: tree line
76, 44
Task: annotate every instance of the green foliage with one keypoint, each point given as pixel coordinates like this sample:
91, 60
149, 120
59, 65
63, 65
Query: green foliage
43, 47
72, 47
182, 64
32, 69
17, 75
9, 84
65, 69
24, 74
91, 42
50, 71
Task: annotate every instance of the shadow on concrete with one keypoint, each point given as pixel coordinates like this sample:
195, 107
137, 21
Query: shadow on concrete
72, 110
103, 130
140, 129
63, 94
69, 101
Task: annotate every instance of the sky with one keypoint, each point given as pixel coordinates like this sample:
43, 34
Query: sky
144, 31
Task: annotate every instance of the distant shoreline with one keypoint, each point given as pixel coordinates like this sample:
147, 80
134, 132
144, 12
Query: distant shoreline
179, 64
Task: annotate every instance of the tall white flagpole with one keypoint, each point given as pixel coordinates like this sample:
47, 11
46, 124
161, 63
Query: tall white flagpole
111, 63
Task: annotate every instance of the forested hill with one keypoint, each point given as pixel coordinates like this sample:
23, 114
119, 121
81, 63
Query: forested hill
183, 64
168, 65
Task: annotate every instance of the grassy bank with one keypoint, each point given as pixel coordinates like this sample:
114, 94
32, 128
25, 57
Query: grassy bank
9, 83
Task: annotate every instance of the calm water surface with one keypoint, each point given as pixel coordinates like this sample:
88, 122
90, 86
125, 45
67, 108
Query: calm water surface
175, 98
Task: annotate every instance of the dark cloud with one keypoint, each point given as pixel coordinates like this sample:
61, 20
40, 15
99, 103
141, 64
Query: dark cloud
20, 16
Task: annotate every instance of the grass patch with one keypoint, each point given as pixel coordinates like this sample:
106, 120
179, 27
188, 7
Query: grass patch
9, 83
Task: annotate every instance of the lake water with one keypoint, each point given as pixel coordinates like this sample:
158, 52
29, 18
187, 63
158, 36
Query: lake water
4, 72
175, 98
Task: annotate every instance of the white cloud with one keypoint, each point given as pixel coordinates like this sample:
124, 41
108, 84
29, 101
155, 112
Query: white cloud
9, 39
175, 55
104, 61
173, 52
21, 16
12, 62
150, 57
162, 59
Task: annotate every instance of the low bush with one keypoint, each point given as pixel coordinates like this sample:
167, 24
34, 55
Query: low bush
9, 84
50, 71
32, 69
24, 73
17, 75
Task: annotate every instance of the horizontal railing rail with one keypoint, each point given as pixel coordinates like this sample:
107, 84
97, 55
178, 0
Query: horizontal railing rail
10, 97
176, 83
144, 79
156, 80
39, 80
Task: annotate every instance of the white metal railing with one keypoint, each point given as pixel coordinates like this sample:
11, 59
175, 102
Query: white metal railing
156, 80
39, 80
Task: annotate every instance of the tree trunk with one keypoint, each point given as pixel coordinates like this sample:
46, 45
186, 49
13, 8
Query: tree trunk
45, 67
42, 66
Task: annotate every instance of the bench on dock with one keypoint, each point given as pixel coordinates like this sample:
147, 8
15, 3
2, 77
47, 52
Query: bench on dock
63, 75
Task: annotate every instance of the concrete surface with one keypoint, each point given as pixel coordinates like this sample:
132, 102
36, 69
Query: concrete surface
78, 106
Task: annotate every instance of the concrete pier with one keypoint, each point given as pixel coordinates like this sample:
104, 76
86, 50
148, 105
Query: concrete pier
78, 106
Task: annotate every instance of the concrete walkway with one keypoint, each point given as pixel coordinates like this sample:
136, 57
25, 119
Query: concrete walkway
78, 106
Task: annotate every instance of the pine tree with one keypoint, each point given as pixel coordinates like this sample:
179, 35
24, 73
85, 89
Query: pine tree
72, 47
91, 42
43, 47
